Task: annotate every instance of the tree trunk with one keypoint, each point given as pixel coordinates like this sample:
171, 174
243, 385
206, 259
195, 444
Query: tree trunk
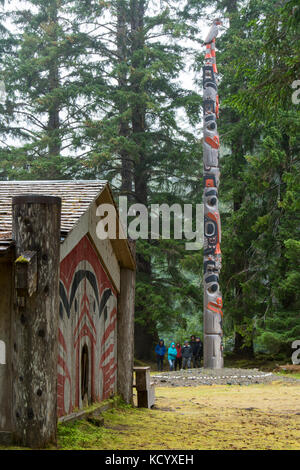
138, 106
145, 339
54, 146
122, 103
240, 349
145, 332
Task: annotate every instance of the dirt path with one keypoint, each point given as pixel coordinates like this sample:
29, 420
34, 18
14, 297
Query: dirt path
262, 416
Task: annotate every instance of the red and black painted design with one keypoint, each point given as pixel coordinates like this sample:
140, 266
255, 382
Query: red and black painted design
212, 309
212, 233
87, 324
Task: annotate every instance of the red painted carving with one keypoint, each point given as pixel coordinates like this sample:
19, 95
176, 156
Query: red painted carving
88, 316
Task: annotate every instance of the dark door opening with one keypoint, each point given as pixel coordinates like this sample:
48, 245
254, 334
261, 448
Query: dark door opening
85, 374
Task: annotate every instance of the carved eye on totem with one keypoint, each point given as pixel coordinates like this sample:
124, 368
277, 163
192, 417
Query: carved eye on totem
211, 126
211, 197
212, 283
212, 288
209, 229
212, 201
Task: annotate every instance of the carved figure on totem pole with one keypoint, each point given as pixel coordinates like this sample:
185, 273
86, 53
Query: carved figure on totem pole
212, 311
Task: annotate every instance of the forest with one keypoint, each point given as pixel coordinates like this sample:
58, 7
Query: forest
112, 90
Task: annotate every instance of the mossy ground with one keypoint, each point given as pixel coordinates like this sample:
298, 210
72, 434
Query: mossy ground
264, 416
205, 417
294, 375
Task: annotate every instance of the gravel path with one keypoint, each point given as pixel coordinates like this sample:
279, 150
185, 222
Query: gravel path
226, 376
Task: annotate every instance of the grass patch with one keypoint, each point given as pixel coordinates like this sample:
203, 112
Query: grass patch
259, 416
294, 375
81, 434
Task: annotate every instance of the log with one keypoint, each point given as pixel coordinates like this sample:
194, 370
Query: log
36, 232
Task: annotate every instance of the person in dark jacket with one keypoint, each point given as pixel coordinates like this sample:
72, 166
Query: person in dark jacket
187, 354
160, 350
178, 360
194, 349
198, 352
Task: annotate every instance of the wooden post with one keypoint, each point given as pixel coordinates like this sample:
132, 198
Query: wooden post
36, 232
145, 389
125, 325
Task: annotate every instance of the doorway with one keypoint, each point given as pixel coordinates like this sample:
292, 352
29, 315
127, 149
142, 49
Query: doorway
85, 376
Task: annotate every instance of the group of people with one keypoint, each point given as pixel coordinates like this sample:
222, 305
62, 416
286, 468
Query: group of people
180, 356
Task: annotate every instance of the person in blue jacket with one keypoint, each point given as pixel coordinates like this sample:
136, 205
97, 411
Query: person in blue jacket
172, 353
160, 350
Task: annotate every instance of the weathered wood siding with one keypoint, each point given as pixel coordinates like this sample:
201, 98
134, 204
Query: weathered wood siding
87, 317
5, 338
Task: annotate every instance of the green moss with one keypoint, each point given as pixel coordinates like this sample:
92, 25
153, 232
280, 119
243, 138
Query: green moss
260, 416
215, 417
22, 259
79, 435
294, 375
13, 448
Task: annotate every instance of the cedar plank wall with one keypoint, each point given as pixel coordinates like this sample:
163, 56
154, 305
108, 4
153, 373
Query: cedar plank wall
87, 316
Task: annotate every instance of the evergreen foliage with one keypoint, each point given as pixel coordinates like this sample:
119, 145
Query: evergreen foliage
93, 90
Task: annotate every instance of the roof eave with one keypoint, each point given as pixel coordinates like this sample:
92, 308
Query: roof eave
120, 246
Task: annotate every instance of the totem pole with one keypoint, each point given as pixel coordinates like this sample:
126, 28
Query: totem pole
212, 309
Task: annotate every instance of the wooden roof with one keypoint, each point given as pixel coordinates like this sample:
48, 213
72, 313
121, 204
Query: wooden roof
76, 197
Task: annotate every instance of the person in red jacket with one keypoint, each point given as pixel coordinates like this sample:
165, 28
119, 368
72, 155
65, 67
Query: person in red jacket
178, 360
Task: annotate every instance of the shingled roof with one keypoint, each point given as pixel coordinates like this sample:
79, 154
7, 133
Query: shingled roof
76, 197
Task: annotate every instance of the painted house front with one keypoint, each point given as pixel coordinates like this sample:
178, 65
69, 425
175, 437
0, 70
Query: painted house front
90, 286
87, 359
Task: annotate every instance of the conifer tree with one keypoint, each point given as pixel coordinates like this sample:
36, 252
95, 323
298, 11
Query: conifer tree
99, 83
48, 92
140, 147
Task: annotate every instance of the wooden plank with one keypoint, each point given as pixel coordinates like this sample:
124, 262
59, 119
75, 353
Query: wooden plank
84, 414
146, 398
125, 326
142, 378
